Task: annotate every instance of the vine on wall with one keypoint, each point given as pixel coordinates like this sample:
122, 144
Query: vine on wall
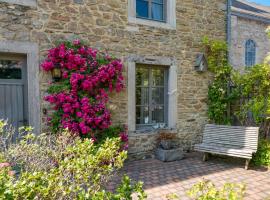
219, 96
245, 96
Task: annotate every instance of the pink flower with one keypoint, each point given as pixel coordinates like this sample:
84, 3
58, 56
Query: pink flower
124, 137
77, 42
65, 75
47, 66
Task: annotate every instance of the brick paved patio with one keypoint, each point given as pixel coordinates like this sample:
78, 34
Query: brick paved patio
161, 179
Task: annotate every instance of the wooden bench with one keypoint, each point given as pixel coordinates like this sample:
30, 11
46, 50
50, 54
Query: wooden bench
235, 141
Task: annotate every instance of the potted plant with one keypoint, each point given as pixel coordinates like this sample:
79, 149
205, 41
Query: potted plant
168, 149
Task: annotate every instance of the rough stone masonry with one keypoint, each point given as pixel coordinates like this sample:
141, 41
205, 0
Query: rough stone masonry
104, 24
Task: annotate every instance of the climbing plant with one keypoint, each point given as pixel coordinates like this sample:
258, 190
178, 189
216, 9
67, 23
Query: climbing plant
79, 98
244, 95
220, 96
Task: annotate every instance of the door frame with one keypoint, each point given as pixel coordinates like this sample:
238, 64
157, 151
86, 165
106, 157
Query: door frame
31, 51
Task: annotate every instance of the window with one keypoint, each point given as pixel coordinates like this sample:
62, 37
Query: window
151, 96
151, 9
250, 53
10, 69
155, 13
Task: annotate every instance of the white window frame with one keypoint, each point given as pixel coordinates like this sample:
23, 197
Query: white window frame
132, 60
170, 16
30, 3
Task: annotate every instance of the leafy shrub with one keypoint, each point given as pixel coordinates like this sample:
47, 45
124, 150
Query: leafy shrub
262, 157
62, 167
206, 190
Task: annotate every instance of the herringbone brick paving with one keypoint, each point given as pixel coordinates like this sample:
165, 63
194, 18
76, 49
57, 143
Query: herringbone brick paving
161, 179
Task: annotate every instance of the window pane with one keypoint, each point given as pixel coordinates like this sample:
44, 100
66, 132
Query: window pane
142, 115
142, 76
142, 96
158, 114
158, 77
142, 7
157, 96
157, 11
158, 1
10, 69
250, 53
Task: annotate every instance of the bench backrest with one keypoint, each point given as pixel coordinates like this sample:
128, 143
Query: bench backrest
231, 136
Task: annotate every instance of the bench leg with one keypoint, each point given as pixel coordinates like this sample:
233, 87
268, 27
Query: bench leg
247, 164
205, 157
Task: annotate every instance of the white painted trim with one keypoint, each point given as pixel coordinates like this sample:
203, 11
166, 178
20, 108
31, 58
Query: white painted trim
30, 3
31, 51
172, 97
170, 18
131, 96
132, 60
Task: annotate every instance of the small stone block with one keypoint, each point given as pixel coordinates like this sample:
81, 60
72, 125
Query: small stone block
169, 155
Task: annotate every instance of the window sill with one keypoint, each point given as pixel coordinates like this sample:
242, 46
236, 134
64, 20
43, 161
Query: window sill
152, 23
153, 131
30, 3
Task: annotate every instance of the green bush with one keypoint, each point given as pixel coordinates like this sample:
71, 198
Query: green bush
206, 190
62, 167
262, 157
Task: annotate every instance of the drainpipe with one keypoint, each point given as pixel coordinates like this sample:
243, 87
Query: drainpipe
229, 27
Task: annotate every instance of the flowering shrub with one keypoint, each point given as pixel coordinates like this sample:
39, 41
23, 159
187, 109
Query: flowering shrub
79, 98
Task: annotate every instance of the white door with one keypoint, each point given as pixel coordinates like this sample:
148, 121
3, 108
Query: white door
13, 89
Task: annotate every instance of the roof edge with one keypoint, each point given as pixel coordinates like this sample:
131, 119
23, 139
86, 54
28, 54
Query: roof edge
250, 16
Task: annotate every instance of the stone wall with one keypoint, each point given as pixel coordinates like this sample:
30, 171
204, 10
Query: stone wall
104, 25
243, 30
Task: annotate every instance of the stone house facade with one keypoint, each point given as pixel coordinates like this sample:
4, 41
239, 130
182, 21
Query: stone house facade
169, 41
249, 41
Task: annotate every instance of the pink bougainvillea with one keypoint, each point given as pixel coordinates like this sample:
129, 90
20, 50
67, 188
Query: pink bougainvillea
79, 98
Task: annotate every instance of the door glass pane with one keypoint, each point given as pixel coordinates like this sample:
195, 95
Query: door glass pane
142, 76
10, 69
142, 115
157, 11
158, 114
142, 8
142, 96
158, 77
157, 95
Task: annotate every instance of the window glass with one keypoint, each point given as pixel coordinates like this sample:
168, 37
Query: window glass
142, 8
158, 77
10, 69
142, 115
150, 95
157, 95
156, 11
250, 54
142, 96
158, 114
142, 76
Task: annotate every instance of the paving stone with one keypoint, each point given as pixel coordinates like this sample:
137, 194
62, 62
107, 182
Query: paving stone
179, 176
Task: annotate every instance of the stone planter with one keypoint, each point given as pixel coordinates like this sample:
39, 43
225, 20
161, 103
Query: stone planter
170, 154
